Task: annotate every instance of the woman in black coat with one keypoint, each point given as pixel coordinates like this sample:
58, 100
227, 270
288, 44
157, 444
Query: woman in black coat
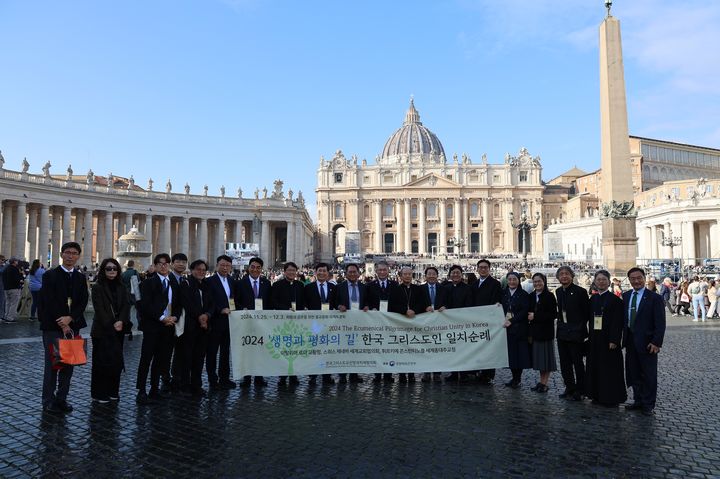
543, 311
605, 380
112, 319
515, 303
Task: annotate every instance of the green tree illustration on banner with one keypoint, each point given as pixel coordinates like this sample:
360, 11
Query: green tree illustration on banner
294, 350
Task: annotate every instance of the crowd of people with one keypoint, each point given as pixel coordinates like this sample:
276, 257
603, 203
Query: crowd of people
185, 323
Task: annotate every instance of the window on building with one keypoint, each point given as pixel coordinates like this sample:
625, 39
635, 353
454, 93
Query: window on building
414, 247
432, 242
449, 177
473, 178
366, 212
449, 210
388, 209
450, 225
367, 180
474, 210
474, 242
496, 210
496, 179
413, 177
339, 213
523, 176
432, 209
389, 243
413, 211
338, 177
475, 225
388, 179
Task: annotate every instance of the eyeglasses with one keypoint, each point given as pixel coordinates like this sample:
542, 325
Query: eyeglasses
110, 268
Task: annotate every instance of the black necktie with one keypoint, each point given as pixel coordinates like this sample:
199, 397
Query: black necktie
165, 285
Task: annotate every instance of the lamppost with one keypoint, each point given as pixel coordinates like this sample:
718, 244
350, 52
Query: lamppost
672, 242
525, 225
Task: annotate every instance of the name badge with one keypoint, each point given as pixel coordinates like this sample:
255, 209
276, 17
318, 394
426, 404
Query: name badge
564, 317
384, 305
354, 305
292, 305
258, 304
509, 315
69, 302
325, 307
598, 323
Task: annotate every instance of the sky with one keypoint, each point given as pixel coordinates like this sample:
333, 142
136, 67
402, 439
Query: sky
242, 92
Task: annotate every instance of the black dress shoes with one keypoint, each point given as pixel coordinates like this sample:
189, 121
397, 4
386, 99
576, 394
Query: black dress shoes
246, 382
355, 378
342, 378
328, 379
576, 396
143, 399
260, 381
648, 411
566, 394
633, 407
512, 384
294, 380
402, 378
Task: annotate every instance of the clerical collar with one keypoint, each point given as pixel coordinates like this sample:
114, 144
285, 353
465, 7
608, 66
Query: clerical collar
67, 270
512, 291
602, 292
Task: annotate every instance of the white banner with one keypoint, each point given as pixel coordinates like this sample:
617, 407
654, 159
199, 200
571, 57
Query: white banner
275, 343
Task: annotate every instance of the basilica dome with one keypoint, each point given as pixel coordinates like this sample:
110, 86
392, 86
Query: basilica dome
412, 143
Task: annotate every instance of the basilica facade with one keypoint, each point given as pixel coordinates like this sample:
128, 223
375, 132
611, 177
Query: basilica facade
416, 200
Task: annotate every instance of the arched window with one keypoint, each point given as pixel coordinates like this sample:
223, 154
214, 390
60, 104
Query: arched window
413, 211
496, 210
366, 212
388, 209
449, 210
339, 213
474, 210
432, 209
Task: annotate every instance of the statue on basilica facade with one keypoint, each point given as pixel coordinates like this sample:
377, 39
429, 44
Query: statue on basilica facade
150, 184
110, 180
239, 192
25, 165
46, 170
484, 159
69, 173
264, 193
290, 194
277, 193
2, 161
257, 193
187, 188
222, 191
455, 158
131, 183
168, 186
205, 190
301, 199
90, 178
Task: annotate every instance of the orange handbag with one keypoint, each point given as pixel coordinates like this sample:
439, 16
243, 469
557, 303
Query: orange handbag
69, 351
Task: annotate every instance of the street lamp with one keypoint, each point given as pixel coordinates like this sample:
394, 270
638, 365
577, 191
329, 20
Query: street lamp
524, 226
458, 243
671, 241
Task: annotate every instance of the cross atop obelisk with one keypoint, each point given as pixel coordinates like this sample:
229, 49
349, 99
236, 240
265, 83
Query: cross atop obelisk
616, 193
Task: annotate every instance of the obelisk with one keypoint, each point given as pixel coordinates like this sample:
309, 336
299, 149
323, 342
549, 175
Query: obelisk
617, 213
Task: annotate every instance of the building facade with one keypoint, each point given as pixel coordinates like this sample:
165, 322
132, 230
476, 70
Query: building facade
414, 200
40, 212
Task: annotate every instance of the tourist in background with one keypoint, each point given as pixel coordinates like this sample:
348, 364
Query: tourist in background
712, 298
35, 283
111, 319
516, 303
683, 301
697, 290
605, 383
12, 282
666, 288
541, 318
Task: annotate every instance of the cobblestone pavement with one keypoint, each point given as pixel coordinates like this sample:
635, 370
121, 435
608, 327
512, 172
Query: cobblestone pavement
396, 430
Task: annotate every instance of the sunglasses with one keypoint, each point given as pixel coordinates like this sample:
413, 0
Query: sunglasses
107, 270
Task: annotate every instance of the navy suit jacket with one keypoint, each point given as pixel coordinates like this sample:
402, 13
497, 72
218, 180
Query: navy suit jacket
342, 294
245, 297
649, 320
220, 299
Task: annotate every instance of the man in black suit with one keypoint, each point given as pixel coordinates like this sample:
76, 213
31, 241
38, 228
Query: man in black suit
456, 294
643, 338
435, 296
222, 287
486, 292
351, 294
409, 300
319, 296
160, 307
178, 266
288, 294
574, 315
61, 310
378, 296
252, 292
197, 305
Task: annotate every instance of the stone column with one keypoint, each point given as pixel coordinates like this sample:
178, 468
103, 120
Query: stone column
466, 224
377, 206
290, 242
32, 233
66, 223
87, 259
185, 236
109, 236
165, 234
653, 242
689, 241
55, 237
265, 252
147, 231
238, 231
487, 225
422, 234
442, 240
457, 226
408, 226
399, 226
20, 229
7, 227
667, 233
351, 214
43, 234
220, 238
77, 234
508, 206
203, 243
